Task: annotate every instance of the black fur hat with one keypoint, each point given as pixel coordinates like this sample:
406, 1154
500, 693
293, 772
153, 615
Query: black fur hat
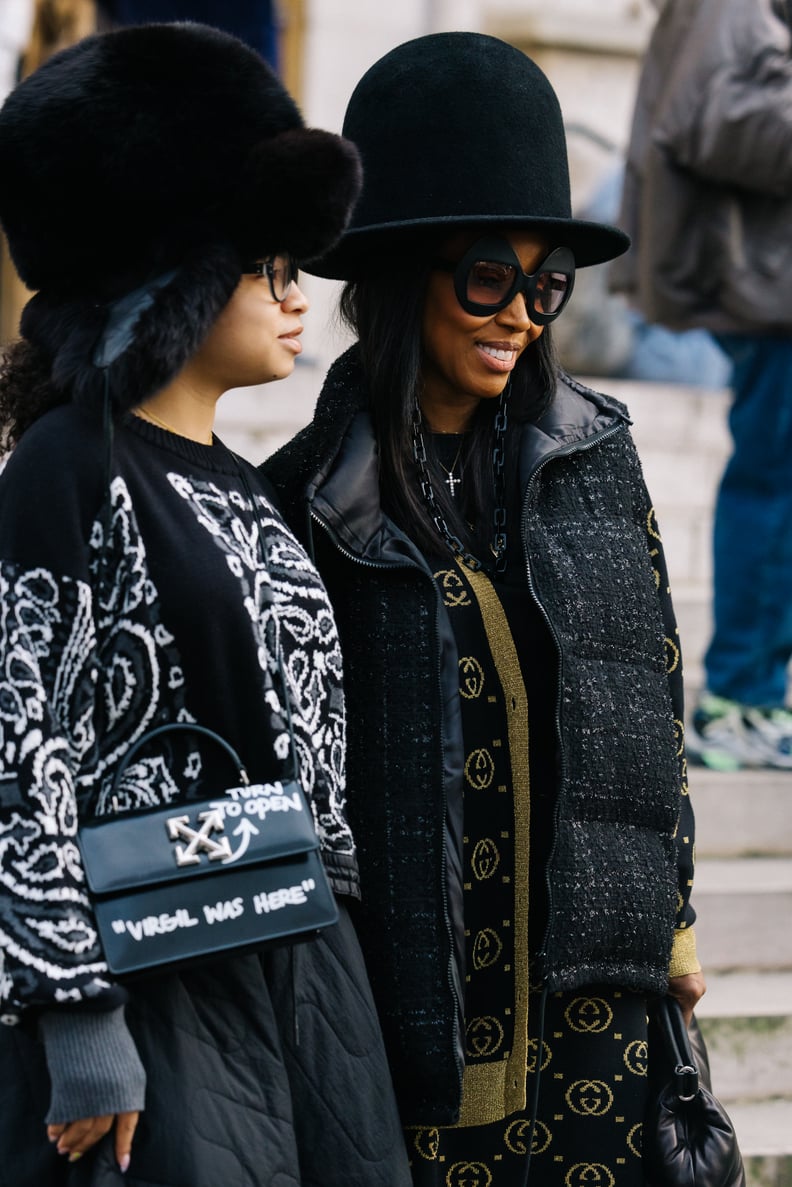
459, 129
139, 170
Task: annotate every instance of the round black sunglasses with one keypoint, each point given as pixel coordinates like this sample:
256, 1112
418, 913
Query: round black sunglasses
489, 276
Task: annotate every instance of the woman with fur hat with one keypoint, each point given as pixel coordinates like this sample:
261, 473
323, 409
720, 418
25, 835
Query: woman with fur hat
157, 186
516, 772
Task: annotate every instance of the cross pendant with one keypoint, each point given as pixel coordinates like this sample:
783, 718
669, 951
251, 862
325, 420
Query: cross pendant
452, 483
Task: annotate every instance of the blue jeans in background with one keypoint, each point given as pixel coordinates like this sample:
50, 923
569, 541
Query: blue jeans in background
748, 656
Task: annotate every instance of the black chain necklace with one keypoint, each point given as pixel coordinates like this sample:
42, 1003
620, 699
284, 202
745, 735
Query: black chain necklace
498, 542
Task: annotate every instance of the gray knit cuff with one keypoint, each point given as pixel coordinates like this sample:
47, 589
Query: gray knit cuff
93, 1064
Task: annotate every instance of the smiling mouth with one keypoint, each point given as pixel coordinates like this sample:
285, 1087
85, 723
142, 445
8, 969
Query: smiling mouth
503, 356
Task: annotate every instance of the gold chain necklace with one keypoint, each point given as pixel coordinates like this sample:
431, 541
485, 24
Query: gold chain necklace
147, 414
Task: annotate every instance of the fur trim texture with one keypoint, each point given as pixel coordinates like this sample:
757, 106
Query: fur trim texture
166, 334
152, 150
124, 152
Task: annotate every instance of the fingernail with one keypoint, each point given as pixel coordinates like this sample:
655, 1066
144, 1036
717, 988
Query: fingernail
54, 1138
73, 1157
124, 1164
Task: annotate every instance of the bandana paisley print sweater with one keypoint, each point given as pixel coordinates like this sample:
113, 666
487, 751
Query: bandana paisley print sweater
128, 600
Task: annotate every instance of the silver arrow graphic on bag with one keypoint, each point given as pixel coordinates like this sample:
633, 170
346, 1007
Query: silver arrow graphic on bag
200, 839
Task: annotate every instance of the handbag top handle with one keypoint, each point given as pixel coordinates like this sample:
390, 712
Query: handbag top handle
172, 727
672, 1023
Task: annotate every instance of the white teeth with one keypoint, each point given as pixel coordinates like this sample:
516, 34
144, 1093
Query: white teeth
503, 356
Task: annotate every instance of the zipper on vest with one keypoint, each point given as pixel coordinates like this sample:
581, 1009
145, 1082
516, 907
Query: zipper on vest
562, 451
407, 564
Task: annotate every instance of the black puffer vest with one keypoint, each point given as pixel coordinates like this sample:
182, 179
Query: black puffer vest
612, 883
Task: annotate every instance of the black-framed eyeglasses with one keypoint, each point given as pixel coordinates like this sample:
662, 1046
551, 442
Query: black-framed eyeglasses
280, 269
489, 276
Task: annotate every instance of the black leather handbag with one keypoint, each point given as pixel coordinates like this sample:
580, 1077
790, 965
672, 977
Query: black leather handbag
196, 880
688, 1139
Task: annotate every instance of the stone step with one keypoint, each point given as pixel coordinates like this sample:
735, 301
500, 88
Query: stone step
764, 1131
741, 814
673, 416
744, 906
749, 1056
749, 994
770, 1170
764, 1135
746, 1020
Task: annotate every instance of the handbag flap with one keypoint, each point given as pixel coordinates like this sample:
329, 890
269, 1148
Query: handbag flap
242, 826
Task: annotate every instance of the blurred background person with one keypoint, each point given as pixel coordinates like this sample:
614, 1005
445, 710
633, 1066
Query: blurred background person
708, 203
253, 21
602, 334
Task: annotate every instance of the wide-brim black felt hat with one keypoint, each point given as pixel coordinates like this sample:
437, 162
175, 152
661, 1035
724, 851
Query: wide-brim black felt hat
140, 170
458, 130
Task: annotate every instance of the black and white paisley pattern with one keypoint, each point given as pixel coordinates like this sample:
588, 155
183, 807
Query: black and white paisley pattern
83, 674
141, 670
47, 690
290, 614
128, 607
104, 634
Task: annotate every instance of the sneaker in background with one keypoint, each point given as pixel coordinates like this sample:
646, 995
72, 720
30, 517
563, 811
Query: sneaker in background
726, 735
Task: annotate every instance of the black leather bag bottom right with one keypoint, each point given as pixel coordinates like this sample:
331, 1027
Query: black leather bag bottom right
688, 1138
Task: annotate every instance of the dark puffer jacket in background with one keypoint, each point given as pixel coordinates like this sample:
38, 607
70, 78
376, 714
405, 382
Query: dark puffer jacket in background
708, 186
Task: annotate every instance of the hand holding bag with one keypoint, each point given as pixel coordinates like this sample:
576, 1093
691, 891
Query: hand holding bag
688, 1139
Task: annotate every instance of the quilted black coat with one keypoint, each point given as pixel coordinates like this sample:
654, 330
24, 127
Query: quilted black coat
248, 1084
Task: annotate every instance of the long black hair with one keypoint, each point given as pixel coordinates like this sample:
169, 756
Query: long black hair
385, 311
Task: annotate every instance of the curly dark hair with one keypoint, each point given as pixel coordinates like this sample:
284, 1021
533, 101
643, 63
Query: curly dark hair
26, 390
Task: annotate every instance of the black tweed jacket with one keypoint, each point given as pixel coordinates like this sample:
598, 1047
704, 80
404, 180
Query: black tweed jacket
618, 882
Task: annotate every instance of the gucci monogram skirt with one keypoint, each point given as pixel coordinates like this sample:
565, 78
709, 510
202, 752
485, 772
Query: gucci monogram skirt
592, 1096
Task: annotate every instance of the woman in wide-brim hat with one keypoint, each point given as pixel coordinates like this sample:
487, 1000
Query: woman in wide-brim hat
516, 767
157, 186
